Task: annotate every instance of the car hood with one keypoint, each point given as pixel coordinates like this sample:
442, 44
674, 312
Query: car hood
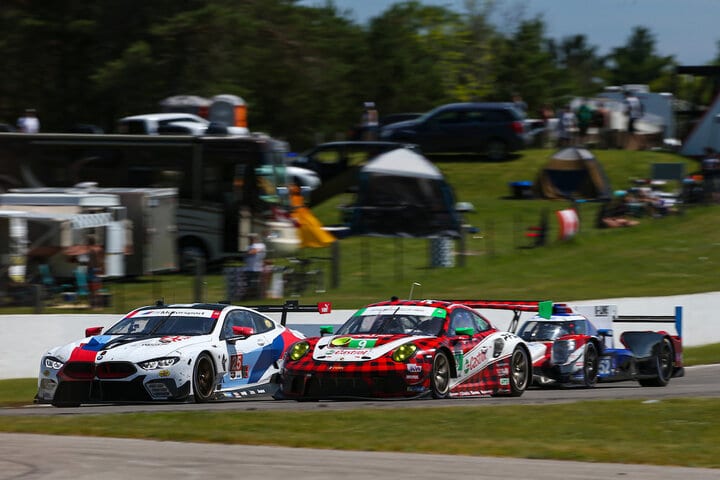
124, 347
359, 348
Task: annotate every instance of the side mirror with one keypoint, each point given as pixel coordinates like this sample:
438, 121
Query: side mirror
326, 329
92, 331
469, 331
242, 331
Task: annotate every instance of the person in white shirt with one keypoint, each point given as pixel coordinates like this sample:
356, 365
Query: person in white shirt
29, 122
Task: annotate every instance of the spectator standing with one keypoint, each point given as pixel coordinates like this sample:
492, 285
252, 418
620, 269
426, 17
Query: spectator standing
634, 111
584, 117
519, 104
566, 127
370, 122
254, 265
29, 122
546, 113
601, 121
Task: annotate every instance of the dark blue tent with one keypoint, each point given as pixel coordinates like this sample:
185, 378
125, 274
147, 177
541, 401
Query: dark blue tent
401, 193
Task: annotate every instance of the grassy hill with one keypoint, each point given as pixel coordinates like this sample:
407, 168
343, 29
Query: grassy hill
672, 255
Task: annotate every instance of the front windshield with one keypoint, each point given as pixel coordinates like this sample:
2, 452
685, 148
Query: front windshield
165, 323
392, 324
534, 331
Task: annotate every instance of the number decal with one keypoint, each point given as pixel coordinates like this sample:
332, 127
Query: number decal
605, 366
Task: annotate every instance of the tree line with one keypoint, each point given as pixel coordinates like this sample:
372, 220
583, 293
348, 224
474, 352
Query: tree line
304, 71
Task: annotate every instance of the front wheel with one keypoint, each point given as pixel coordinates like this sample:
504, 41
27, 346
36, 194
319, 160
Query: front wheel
590, 366
440, 377
203, 378
520, 372
664, 365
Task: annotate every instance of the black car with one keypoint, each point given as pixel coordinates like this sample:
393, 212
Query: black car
492, 128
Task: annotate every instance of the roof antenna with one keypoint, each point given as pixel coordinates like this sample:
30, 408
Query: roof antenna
413, 288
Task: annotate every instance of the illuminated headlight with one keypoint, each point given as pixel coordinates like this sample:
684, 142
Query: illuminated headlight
404, 352
53, 363
561, 351
298, 350
157, 363
498, 347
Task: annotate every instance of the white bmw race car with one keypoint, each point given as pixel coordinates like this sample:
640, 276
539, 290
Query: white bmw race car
189, 352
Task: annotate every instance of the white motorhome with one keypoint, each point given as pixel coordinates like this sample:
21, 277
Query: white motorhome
46, 227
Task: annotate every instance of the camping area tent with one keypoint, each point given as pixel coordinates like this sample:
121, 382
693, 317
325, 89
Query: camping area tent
401, 193
572, 173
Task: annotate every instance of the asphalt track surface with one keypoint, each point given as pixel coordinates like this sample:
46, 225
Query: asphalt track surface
24, 456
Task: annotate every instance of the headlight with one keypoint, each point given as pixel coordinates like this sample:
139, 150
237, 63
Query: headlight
53, 363
298, 350
404, 352
157, 363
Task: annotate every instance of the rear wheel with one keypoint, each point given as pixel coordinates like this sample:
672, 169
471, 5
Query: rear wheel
440, 377
590, 367
664, 365
203, 378
520, 372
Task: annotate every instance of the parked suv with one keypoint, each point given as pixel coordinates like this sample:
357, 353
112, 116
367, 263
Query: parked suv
495, 129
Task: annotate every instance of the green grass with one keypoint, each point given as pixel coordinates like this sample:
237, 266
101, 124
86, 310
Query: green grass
671, 432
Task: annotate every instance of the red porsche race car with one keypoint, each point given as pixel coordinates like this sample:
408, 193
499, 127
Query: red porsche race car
408, 349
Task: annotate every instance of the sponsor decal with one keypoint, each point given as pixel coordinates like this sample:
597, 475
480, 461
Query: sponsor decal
349, 342
503, 371
336, 367
173, 338
475, 360
414, 368
504, 381
182, 312
324, 307
412, 377
164, 373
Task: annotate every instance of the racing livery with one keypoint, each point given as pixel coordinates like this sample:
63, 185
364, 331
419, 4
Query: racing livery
407, 349
568, 349
184, 352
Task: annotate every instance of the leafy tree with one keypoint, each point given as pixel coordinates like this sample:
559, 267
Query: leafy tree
637, 62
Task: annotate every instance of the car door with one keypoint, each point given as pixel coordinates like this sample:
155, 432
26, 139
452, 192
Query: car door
246, 356
471, 351
442, 132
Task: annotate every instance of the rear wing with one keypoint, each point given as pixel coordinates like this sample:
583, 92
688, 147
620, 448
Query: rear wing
293, 306
543, 307
677, 319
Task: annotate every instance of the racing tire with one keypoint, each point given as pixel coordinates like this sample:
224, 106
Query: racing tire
440, 376
590, 366
664, 364
520, 372
203, 378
